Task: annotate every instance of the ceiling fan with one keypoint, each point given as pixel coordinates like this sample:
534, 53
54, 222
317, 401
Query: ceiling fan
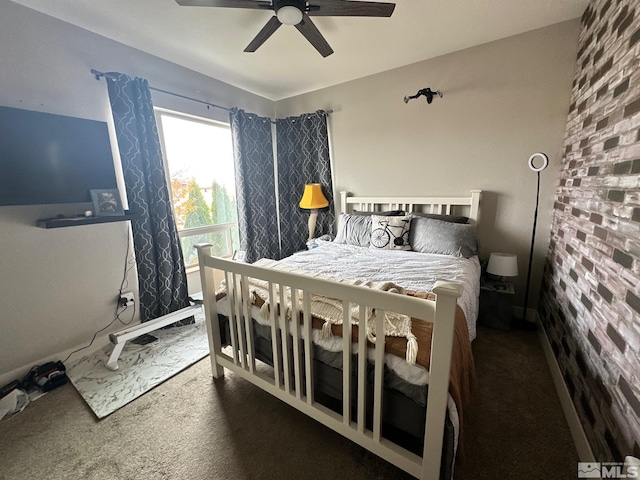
297, 13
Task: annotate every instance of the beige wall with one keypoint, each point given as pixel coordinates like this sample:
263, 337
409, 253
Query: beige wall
58, 287
502, 102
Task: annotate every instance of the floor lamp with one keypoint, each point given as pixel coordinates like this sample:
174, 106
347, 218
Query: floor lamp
313, 199
537, 169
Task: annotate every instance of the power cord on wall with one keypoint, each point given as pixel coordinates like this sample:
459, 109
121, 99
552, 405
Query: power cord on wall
129, 263
117, 317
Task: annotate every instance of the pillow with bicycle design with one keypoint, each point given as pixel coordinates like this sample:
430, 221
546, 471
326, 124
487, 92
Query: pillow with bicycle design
390, 233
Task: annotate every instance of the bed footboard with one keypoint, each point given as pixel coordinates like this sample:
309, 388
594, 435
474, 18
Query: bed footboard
289, 298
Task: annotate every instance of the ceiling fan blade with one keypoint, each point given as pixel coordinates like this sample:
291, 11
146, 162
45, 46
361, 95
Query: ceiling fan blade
225, 3
272, 25
347, 8
307, 28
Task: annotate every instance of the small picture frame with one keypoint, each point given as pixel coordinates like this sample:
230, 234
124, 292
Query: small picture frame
106, 202
239, 255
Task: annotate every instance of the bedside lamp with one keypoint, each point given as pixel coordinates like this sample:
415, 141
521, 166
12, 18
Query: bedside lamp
313, 199
503, 265
497, 295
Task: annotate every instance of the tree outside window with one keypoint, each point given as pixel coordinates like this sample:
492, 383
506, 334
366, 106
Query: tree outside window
198, 155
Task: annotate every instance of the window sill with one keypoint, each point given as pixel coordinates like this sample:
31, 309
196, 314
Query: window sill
192, 269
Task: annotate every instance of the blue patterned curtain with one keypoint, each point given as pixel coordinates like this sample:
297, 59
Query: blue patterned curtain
303, 157
255, 185
162, 278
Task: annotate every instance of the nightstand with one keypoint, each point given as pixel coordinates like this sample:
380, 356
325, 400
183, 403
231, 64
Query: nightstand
496, 304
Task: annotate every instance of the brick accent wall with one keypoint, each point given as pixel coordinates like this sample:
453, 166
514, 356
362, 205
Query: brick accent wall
590, 300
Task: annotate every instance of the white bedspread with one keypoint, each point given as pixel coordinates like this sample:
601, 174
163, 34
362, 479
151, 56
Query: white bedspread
411, 270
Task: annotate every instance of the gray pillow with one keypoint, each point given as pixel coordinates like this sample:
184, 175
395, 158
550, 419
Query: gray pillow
354, 230
444, 218
435, 236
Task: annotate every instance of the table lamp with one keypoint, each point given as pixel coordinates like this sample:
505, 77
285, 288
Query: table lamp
313, 199
506, 265
503, 265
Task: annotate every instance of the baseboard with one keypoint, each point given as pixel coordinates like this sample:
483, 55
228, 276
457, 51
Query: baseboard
585, 454
19, 373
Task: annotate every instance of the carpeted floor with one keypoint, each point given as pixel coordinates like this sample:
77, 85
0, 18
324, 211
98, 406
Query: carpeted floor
192, 428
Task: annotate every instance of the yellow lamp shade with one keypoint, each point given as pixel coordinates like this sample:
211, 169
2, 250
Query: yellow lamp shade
312, 198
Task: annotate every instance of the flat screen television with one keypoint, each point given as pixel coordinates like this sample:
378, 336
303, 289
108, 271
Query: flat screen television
46, 158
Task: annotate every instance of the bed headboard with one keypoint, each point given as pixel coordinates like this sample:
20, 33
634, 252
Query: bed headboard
467, 206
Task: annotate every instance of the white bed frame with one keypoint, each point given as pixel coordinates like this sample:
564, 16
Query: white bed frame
440, 312
467, 206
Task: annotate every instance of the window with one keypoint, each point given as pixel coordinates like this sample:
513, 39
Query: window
199, 163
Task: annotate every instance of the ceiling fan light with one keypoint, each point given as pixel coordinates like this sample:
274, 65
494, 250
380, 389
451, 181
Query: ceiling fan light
289, 15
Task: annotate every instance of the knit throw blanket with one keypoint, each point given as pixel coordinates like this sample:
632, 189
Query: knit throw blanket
331, 312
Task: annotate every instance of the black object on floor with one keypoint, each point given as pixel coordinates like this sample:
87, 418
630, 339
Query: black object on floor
144, 339
46, 377
10, 387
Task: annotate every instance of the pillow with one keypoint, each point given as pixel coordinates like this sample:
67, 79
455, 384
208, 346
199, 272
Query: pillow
354, 230
444, 218
436, 236
386, 213
390, 233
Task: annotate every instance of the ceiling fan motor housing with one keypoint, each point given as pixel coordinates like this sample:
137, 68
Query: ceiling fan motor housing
289, 12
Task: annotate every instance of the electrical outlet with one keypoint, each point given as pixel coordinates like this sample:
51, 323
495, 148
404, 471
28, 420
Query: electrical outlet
126, 299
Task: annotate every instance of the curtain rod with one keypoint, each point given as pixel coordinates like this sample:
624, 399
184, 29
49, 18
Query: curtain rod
99, 74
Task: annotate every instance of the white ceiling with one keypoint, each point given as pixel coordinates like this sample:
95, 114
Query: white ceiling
211, 40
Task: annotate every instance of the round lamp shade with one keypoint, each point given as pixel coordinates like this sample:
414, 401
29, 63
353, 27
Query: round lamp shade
503, 265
